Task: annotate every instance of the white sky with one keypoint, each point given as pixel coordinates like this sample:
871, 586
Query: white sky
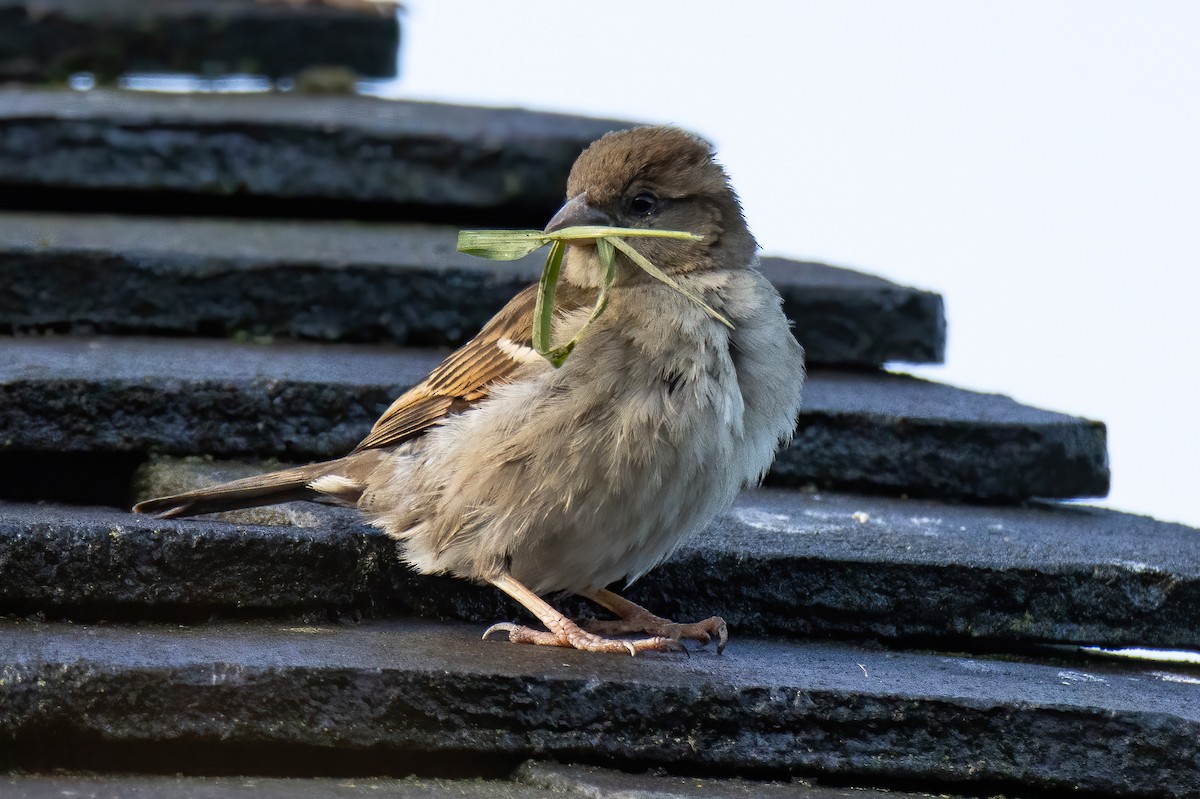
1038, 163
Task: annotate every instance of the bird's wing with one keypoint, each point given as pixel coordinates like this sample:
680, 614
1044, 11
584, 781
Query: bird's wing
467, 376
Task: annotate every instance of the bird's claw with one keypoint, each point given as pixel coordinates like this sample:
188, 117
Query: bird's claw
499, 627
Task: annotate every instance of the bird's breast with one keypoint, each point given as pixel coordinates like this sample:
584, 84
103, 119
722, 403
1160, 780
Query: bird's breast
576, 477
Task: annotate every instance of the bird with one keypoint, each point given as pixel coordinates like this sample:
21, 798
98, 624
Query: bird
500, 468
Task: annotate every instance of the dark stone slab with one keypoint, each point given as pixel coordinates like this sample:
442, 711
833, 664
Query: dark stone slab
783, 562
51, 39
272, 154
862, 430
847, 317
533, 780
346, 281
111, 564
129, 786
427, 690
895, 433
780, 563
294, 401
592, 782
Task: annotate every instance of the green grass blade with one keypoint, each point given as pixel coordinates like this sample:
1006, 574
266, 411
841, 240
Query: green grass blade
583, 232
543, 308
658, 274
509, 245
558, 355
501, 245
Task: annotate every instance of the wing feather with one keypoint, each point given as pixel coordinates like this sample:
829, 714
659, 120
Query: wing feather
468, 374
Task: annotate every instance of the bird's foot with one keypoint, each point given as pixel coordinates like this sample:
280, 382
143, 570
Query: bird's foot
571, 635
632, 617
643, 621
561, 631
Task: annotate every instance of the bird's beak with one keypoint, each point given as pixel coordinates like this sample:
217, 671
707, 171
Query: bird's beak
575, 212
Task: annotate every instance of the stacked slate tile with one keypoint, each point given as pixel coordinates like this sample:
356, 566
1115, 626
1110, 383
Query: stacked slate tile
195, 287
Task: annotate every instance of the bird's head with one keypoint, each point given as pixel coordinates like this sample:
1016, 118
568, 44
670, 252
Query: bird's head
664, 178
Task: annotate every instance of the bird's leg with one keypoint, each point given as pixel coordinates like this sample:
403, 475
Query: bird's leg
561, 631
632, 617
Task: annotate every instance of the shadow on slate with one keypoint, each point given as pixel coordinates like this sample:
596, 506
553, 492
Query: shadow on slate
862, 430
286, 155
51, 39
421, 690
780, 563
347, 281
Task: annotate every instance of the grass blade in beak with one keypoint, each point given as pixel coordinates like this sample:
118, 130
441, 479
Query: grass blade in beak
558, 355
509, 245
584, 232
501, 245
658, 274
543, 308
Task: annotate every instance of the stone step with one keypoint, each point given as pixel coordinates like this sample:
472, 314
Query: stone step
421, 691
533, 780
51, 39
781, 562
264, 154
860, 430
348, 281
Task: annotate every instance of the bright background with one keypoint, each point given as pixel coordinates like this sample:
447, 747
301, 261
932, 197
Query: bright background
1038, 163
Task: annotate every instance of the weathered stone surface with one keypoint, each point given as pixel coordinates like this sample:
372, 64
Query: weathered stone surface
533, 780
847, 317
425, 690
126, 786
296, 401
592, 782
780, 563
348, 281
268, 154
300, 402
894, 433
51, 39
101, 563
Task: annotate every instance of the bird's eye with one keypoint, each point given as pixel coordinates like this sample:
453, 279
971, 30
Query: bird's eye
643, 203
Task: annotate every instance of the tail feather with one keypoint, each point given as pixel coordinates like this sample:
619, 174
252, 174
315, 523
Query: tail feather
265, 489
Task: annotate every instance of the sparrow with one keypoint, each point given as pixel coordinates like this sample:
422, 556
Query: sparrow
500, 468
